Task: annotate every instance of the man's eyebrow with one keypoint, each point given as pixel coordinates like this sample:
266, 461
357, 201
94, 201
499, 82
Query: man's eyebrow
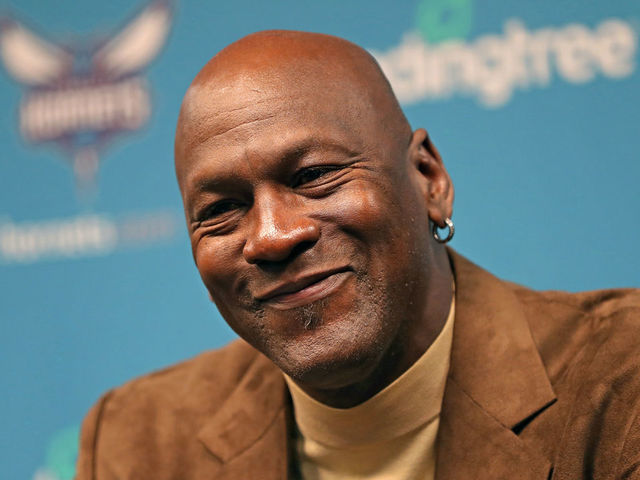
287, 155
310, 145
204, 184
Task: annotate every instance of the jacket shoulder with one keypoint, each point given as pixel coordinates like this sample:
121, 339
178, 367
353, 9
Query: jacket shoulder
154, 420
211, 375
572, 328
598, 303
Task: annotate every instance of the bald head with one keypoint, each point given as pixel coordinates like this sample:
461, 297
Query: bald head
281, 53
305, 70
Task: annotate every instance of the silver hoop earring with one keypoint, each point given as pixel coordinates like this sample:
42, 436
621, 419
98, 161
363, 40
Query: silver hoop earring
449, 225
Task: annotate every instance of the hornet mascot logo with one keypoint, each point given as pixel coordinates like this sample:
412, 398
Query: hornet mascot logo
80, 97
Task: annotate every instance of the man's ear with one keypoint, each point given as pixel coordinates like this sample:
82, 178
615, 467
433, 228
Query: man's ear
436, 185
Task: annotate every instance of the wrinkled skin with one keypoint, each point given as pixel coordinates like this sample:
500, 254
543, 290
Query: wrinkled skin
308, 201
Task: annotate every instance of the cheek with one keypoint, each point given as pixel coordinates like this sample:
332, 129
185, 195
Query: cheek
214, 259
391, 229
371, 214
359, 209
217, 260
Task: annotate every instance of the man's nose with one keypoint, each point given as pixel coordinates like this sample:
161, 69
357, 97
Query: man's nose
278, 228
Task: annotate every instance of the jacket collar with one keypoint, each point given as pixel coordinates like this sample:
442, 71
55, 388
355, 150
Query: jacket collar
496, 383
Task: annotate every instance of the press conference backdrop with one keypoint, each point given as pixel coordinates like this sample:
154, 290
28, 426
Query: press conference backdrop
533, 105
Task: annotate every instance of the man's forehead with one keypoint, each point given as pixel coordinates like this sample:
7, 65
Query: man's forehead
244, 92
212, 109
247, 107
294, 80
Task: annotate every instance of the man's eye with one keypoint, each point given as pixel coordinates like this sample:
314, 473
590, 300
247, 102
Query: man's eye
220, 208
310, 174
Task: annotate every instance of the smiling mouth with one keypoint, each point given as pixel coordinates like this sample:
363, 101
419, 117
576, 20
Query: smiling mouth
306, 290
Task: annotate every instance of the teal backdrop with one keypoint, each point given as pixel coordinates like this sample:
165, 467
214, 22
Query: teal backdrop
534, 107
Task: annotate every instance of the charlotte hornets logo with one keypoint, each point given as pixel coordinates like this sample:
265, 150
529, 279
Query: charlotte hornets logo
79, 97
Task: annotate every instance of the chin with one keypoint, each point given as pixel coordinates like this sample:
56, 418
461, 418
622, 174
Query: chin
334, 342
335, 351
334, 374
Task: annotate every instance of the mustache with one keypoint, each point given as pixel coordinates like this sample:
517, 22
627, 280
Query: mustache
263, 277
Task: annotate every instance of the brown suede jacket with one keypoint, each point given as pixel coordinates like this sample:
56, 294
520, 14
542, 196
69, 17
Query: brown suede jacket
542, 385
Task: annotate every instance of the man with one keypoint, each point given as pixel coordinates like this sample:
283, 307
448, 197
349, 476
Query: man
312, 210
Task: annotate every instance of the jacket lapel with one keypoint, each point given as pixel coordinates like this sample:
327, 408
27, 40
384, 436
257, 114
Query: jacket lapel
249, 434
496, 383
